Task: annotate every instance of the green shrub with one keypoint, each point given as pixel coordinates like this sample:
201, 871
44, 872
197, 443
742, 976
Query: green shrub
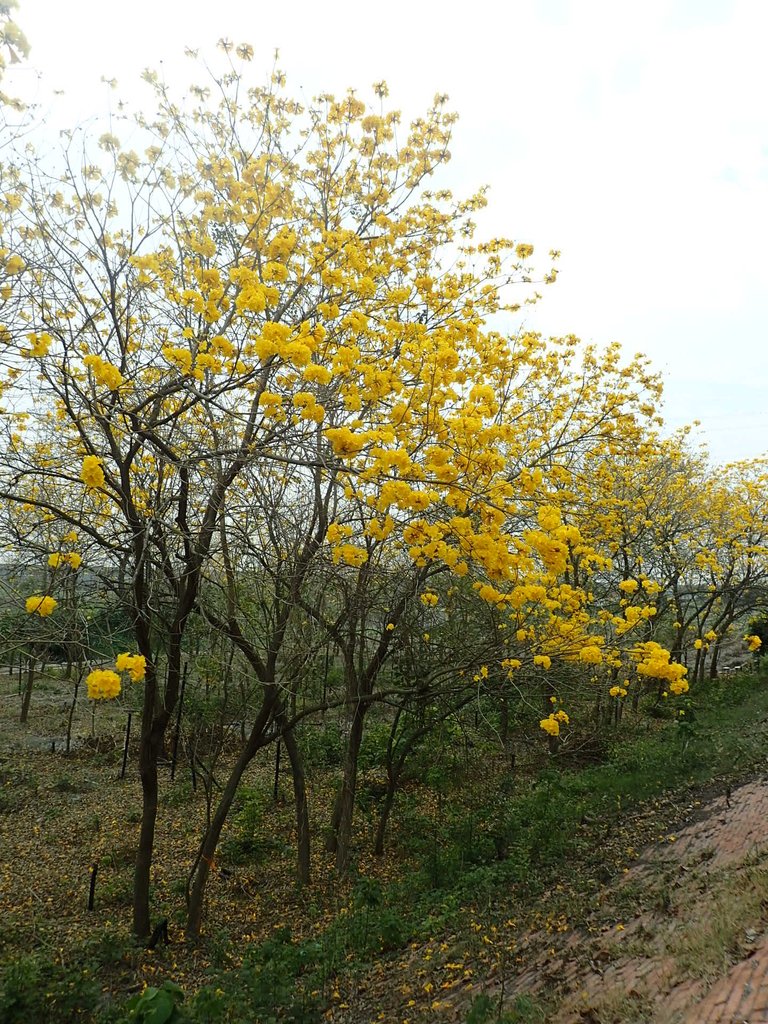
252, 841
34, 988
156, 1005
322, 746
273, 984
373, 750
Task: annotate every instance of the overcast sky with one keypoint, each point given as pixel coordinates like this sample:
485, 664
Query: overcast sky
631, 136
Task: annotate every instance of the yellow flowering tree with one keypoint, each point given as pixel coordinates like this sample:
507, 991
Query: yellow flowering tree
222, 300
249, 362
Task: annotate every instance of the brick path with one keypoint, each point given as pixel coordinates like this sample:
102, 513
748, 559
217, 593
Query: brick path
728, 830
630, 972
741, 996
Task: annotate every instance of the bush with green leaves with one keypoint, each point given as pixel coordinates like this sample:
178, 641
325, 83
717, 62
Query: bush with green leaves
252, 840
275, 983
157, 1005
35, 988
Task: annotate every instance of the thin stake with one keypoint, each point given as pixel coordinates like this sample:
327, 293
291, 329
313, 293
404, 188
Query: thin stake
325, 675
92, 889
277, 770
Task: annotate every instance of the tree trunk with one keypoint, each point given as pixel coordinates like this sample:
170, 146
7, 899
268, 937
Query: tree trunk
386, 811
72, 707
302, 807
714, 659
343, 811
697, 667
202, 867
149, 752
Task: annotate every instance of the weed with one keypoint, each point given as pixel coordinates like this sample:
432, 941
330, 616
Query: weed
522, 1010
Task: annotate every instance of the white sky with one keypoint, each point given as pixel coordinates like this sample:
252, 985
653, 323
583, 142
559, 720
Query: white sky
631, 136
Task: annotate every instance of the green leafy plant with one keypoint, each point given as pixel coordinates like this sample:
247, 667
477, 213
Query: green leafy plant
156, 1005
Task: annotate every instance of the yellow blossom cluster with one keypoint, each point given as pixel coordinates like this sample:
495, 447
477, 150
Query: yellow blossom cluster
350, 554
753, 642
13, 265
91, 472
103, 684
180, 358
135, 664
41, 604
654, 662
552, 723
104, 373
309, 408
38, 345
591, 655
70, 558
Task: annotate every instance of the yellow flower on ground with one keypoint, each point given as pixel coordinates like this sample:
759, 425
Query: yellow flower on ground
42, 605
